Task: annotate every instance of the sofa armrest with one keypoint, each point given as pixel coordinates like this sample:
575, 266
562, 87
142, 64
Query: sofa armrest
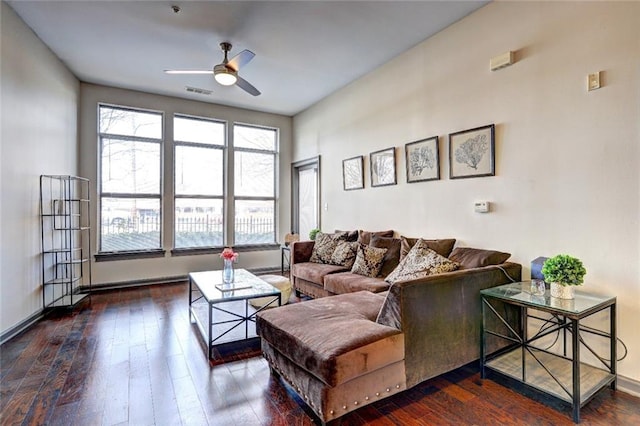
301, 251
441, 318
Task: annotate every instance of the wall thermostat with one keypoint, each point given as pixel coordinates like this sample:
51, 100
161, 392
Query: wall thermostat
481, 207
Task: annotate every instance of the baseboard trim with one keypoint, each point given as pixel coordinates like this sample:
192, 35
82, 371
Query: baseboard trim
630, 386
20, 327
166, 280
138, 283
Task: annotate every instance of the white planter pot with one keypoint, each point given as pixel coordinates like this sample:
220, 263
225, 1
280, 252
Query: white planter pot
562, 291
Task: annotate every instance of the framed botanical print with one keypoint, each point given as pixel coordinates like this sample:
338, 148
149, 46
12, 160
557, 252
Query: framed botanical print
383, 167
353, 173
422, 160
472, 153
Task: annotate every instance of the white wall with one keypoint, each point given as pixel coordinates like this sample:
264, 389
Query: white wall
568, 160
39, 101
174, 266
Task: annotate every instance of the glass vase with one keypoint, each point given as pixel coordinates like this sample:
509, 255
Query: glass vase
227, 271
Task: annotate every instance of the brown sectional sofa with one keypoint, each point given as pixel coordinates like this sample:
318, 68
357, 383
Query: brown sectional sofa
321, 280
342, 352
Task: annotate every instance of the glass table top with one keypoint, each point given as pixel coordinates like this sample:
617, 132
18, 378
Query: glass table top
521, 293
245, 285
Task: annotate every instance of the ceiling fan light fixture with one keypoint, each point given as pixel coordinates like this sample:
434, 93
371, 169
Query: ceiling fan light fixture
224, 75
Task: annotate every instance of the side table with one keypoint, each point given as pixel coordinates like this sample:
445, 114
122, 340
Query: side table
558, 374
285, 258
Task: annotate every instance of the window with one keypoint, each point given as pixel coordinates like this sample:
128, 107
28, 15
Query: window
199, 182
254, 188
130, 179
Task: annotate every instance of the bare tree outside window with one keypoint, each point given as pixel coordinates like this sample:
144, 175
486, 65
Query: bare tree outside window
255, 160
199, 182
130, 158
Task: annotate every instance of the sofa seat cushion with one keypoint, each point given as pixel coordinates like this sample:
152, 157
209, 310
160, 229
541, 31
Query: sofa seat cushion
334, 338
348, 282
315, 272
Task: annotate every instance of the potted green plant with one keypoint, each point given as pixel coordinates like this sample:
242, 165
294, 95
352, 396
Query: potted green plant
313, 233
563, 272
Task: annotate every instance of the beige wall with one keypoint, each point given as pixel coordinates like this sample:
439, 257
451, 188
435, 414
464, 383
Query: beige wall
39, 104
567, 176
173, 266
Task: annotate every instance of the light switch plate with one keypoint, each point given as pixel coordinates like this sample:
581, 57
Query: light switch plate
593, 81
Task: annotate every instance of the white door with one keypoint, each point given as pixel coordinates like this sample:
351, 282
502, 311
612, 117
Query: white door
306, 197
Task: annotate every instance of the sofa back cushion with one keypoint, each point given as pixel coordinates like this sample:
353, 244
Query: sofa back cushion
352, 236
419, 263
469, 257
364, 237
443, 246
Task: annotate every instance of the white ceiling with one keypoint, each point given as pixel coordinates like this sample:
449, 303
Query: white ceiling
305, 50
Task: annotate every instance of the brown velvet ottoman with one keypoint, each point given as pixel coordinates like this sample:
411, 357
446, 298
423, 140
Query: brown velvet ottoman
333, 352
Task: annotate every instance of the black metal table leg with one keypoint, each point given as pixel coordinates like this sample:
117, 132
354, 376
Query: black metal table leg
575, 349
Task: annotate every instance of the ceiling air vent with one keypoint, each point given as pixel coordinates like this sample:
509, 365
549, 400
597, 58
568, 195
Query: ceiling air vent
198, 91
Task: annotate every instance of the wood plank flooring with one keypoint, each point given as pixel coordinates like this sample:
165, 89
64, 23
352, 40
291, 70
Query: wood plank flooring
132, 357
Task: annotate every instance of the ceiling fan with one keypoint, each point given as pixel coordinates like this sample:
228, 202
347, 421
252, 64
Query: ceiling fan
226, 73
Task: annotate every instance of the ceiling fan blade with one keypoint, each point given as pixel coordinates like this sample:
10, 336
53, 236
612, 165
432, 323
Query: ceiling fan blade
188, 71
247, 87
241, 59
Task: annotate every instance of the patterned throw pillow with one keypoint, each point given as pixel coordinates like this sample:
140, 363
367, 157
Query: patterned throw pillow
368, 261
345, 254
324, 246
420, 262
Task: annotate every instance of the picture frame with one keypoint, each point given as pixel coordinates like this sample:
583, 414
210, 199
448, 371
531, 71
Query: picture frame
422, 160
353, 173
472, 153
383, 167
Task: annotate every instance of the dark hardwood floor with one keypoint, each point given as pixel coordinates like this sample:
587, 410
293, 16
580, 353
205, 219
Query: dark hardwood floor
133, 357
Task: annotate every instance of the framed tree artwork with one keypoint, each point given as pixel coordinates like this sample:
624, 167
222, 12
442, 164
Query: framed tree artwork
422, 160
383, 167
472, 153
353, 173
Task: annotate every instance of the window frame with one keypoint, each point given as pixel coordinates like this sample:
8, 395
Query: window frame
224, 148
233, 197
129, 254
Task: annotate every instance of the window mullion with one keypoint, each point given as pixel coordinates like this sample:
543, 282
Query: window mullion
229, 192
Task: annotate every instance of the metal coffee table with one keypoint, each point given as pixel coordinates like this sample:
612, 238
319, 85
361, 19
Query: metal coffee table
222, 303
